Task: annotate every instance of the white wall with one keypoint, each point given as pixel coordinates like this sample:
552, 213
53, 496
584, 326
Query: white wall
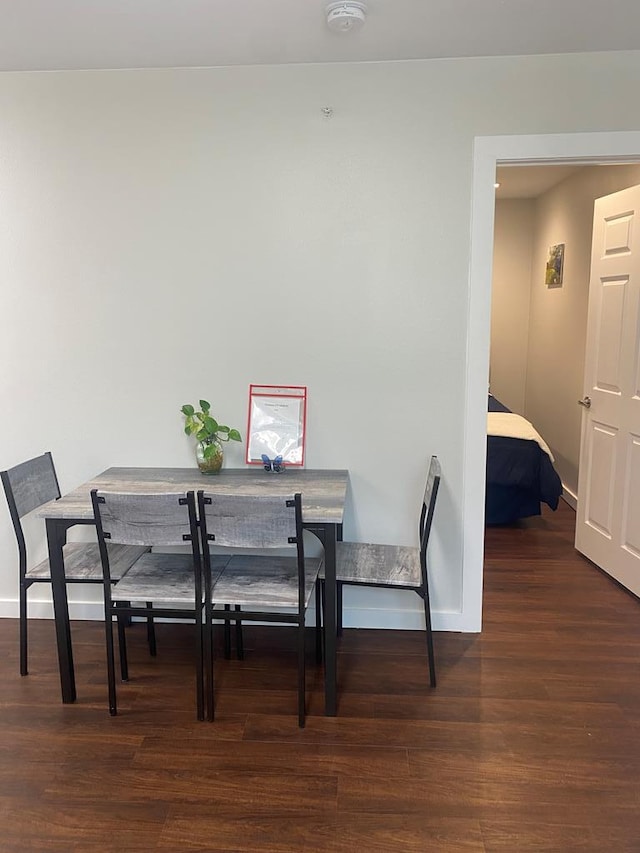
149, 220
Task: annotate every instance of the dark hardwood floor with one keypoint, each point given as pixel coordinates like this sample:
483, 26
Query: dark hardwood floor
531, 741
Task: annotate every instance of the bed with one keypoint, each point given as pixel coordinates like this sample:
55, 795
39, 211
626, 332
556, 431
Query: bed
520, 472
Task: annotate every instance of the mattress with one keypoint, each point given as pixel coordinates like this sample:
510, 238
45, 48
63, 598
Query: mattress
520, 477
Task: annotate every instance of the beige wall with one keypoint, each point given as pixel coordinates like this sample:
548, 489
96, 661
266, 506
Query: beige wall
557, 316
171, 234
513, 245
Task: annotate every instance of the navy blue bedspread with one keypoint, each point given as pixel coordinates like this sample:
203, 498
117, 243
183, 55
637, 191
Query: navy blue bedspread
520, 476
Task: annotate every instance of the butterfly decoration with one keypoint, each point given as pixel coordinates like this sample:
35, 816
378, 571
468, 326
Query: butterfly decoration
276, 465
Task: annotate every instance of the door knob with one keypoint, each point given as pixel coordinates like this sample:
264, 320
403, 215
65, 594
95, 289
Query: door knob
586, 402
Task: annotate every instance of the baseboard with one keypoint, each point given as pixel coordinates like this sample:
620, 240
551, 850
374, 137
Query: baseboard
396, 619
81, 610
569, 498
404, 620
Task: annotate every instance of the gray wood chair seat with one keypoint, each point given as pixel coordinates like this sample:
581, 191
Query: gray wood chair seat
264, 581
27, 487
270, 587
82, 563
171, 582
392, 566
162, 578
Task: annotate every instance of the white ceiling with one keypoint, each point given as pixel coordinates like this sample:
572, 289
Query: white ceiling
77, 34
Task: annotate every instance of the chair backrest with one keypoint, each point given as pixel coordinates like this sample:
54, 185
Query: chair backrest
28, 486
251, 521
165, 519
428, 506
137, 519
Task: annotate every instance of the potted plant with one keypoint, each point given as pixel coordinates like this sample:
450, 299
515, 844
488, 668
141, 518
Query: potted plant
209, 434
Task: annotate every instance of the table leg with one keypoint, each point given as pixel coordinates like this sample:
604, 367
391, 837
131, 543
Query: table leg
56, 538
330, 668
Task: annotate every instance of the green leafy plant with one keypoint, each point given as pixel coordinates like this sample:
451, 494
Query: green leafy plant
206, 428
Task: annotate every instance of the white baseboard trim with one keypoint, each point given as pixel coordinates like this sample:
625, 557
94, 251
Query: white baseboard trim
569, 497
403, 620
353, 617
89, 610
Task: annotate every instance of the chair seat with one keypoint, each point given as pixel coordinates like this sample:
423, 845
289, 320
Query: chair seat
264, 581
162, 578
386, 565
82, 562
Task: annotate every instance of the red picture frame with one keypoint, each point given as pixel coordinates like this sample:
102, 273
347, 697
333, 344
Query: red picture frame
277, 424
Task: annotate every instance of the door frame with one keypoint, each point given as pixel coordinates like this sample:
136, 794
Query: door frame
489, 152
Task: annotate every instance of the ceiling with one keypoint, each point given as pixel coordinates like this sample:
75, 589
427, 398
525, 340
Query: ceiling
90, 34
530, 181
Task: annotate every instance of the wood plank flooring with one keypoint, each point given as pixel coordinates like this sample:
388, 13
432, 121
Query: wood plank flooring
531, 741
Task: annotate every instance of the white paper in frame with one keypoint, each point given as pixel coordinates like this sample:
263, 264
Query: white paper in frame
277, 423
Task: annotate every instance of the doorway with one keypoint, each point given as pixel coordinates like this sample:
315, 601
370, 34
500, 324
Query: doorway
539, 329
588, 148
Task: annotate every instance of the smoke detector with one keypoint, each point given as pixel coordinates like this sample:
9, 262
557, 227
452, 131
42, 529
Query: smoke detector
345, 16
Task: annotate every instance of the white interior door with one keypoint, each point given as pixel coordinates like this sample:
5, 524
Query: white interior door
608, 519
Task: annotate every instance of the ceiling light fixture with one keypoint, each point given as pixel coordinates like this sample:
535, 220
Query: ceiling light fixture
345, 17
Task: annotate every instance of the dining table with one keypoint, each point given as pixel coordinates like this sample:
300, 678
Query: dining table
323, 494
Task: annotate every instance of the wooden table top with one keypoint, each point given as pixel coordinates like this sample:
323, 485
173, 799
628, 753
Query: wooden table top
323, 490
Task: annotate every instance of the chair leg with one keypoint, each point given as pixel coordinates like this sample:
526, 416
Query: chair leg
319, 610
122, 646
200, 639
430, 654
227, 635
301, 674
208, 666
151, 631
339, 586
23, 630
111, 669
126, 619
239, 637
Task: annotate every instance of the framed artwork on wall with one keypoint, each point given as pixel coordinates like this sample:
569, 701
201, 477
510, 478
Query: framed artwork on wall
555, 266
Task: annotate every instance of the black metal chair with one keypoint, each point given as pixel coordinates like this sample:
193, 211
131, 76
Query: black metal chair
393, 566
172, 582
268, 588
28, 486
